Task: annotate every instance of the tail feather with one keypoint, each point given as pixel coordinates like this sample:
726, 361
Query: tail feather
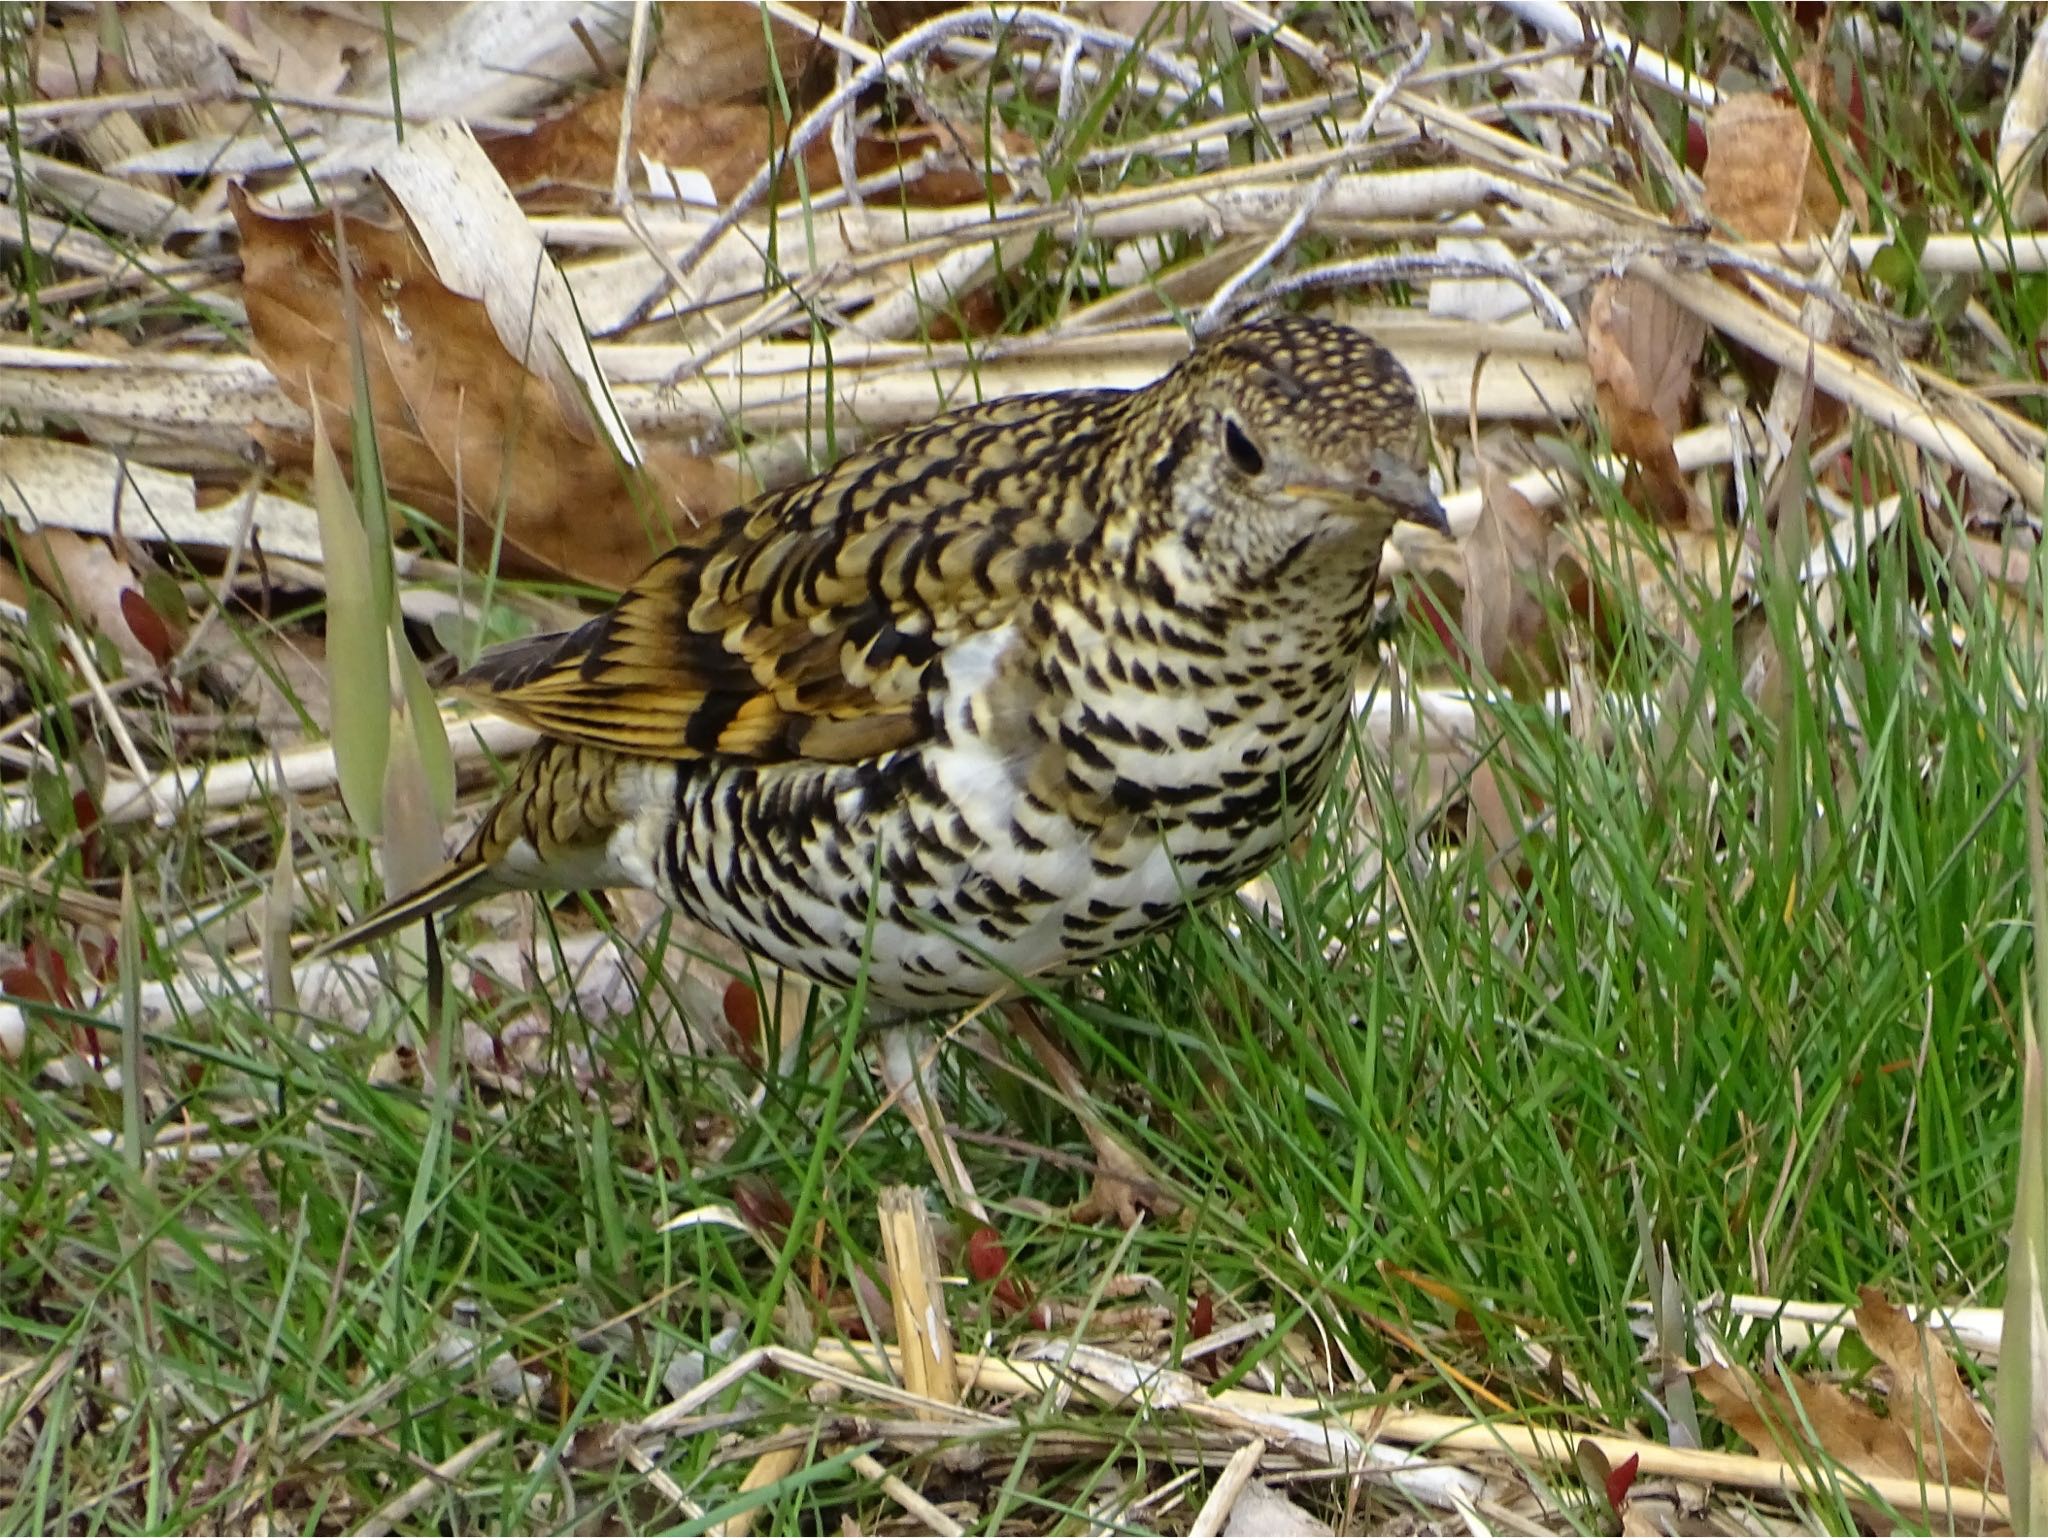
462, 880
549, 831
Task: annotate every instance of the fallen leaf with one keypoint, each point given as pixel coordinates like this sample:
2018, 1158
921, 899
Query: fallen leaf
988, 1260
147, 626
1619, 1481
91, 581
1764, 179
1497, 821
1642, 349
1507, 575
1794, 1422
743, 1013
691, 145
1928, 1394
1934, 1429
725, 143
720, 52
763, 1206
466, 432
1263, 1510
1606, 566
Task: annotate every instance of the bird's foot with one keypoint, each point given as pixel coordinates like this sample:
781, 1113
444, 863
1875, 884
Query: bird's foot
1124, 1187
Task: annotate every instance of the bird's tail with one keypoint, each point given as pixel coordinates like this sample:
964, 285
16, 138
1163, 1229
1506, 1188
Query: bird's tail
548, 831
461, 880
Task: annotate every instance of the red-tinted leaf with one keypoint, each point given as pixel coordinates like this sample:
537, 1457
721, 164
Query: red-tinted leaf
1619, 1480
147, 626
85, 813
47, 962
743, 1015
987, 1256
1695, 145
1202, 1317
1010, 1295
22, 981
763, 1206
100, 960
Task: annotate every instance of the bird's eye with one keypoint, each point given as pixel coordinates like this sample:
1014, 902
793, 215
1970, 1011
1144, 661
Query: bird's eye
1243, 452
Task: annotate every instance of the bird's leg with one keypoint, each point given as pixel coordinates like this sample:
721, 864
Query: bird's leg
1124, 1183
906, 1055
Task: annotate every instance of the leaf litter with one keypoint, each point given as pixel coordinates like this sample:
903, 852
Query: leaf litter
520, 450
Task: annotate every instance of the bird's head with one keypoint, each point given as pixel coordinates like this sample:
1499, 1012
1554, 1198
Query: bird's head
1282, 437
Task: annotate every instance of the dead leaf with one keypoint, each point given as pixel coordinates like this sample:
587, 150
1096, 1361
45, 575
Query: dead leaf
1931, 1412
1262, 1509
720, 52
1642, 349
1497, 821
685, 145
90, 581
177, 50
1928, 1394
1507, 574
466, 432
1764, 179
573, 152
1666, 575
1792, 1423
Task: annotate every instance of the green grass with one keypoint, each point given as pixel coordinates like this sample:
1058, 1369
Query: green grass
1765, 1039
1753, 995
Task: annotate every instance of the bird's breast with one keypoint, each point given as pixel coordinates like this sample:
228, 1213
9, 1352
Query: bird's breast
1091, 770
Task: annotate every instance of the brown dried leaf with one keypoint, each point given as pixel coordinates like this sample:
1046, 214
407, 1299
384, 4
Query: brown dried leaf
1507, 572
1790, 1423
1642, 348
717, 52
1928, 1394
273, 681
90, 580
303, 49
1497, 821
1763, 178
467, 433
726, 141
1667, 575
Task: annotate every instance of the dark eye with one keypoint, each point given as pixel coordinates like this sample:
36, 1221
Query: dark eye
1243, 452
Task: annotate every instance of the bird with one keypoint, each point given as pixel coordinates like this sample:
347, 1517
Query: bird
995, 696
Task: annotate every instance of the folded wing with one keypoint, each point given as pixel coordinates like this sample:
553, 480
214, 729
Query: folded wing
802, 624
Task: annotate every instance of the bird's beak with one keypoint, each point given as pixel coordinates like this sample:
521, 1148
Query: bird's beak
1406, 490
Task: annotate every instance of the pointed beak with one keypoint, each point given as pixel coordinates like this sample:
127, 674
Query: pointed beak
1406, 490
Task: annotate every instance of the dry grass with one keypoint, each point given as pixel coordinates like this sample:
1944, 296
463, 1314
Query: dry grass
1670, 952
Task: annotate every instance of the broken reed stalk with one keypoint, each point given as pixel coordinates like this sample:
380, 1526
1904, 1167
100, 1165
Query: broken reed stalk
924, 1334
1519, 1442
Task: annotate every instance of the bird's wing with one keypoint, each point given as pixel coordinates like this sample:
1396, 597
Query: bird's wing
801, 624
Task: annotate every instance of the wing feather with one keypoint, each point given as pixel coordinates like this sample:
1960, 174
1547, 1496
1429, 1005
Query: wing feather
800, 625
